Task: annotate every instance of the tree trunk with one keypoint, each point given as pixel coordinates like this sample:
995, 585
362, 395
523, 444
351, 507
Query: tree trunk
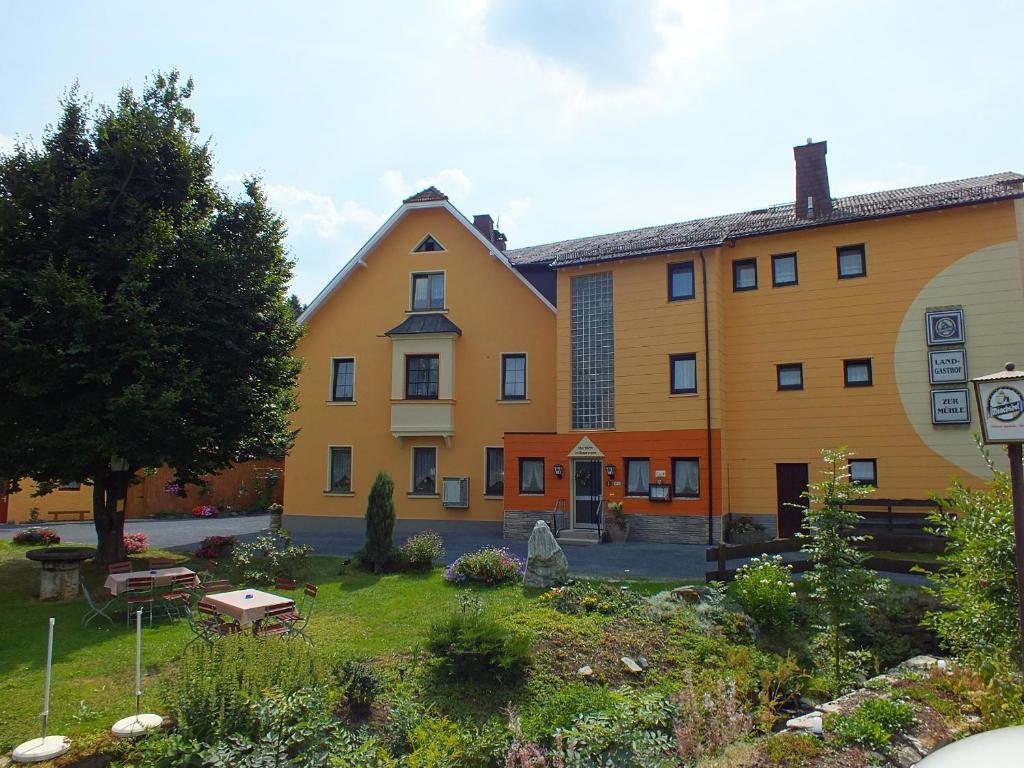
109, 521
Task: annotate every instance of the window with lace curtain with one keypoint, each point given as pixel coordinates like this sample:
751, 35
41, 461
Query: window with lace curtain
686, 478
531, 476
638, 477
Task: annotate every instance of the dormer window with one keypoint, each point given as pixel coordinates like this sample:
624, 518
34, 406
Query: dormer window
428, 245
427, 291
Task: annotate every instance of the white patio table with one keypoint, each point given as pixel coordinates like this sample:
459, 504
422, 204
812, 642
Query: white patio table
246, 606
117, 583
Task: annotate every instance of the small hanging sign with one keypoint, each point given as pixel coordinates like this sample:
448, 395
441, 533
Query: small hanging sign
945, 326
947, 366
951, 406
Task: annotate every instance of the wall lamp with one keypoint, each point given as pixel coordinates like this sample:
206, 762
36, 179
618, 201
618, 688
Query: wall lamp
559, 471
610, 469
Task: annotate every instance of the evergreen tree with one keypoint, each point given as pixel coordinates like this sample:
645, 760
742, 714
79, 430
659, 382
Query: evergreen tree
144, 314
380, 522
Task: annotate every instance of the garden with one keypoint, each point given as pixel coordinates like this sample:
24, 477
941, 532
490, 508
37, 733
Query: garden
425, 665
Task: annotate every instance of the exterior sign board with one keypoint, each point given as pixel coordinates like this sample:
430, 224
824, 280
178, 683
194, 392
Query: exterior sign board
947, 366
951, 406
585, 449
1001, 403
945, 326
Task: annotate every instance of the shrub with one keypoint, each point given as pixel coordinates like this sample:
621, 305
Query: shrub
470, 645
706, 721
871, 724
559, 707
213, 547
419, 551
587, 597
269, 556
209, 696
43, 536
792, 750
359, 683
380, 524
490, 565
765, 590
978, 580
135, 543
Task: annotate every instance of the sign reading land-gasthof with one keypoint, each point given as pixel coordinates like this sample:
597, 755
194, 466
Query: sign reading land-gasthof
1001, 404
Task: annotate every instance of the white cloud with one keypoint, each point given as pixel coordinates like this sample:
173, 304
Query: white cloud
452, 181
6, 144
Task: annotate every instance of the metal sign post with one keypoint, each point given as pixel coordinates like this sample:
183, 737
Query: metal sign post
1000, 399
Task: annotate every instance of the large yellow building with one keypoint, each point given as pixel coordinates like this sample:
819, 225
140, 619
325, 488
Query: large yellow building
692, 371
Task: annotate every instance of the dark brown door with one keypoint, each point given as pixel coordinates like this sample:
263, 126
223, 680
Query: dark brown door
587, 488
3, 501
791, 480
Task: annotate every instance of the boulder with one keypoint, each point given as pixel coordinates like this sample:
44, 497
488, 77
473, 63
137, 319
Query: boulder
546, 565
586, 672
631, 666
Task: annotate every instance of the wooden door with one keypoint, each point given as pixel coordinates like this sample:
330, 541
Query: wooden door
4, 496
791, 481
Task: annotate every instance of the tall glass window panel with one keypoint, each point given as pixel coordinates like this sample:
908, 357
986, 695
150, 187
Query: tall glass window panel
428, 291
344, 379
851, 262
680, 281
421, 377
513, 377
784, 269
638, 477
686, 477
531, 476
341, 470
593, 352
424, 470
684, 373
495, 484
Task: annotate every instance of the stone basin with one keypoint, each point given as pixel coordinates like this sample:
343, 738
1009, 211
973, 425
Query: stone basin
61, 570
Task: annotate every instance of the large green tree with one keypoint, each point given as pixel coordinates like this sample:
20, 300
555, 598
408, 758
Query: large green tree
144, 313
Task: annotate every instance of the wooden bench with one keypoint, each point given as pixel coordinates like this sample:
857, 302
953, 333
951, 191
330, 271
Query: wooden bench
56, 514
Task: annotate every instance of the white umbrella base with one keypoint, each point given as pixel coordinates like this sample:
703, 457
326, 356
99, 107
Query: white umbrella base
37, 750
136, 725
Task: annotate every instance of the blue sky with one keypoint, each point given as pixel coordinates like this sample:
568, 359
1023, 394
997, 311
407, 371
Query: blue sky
561, 118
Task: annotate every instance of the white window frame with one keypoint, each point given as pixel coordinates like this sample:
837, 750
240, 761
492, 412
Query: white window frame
412, 472
330, 391
351, 470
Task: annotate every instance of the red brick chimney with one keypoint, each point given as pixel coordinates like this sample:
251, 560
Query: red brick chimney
485, 224
813, 198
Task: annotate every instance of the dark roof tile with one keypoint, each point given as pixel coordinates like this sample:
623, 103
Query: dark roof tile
431, 322
716, 230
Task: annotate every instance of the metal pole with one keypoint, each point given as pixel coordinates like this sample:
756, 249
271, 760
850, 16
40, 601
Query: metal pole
138, 662
1017, 486
46, 685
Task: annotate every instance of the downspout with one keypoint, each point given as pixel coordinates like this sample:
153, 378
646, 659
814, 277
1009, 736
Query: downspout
707, 399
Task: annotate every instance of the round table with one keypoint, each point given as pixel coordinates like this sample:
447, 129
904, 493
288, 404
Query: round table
61, 570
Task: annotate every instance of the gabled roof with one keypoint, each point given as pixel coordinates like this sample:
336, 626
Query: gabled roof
431, 197
428, 322
717, 230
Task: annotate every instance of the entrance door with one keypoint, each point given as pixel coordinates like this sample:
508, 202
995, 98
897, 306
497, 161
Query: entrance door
3, 501
791, 480
586, 498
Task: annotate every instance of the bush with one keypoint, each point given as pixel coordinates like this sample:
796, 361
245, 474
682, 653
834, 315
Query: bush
470, 645
209, 696
587, 597
213, 547
43, 536
764, 588
490, 565
871, 724
792, 750
359, 683
268, 557
135, 543
380, 524
419, 551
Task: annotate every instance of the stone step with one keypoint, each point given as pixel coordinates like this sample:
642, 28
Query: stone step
578, 536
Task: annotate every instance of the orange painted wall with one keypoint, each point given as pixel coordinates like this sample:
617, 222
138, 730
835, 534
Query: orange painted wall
660, 447
21, 504
496, 312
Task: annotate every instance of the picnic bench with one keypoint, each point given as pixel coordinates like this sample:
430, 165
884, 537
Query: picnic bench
56, 514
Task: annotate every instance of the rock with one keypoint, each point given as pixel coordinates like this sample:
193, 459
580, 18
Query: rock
585, 672
691, 595
631, 666
921, 663
642, 662
811, 723
546, 565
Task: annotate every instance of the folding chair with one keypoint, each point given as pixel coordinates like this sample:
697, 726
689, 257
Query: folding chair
215, 586
298, 620
125, 566
274, 622
156, 563
285, 584
139, 593
178, 594
214, 623
95, 609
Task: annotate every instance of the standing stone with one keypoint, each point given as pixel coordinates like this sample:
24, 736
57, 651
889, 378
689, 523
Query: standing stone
546, 565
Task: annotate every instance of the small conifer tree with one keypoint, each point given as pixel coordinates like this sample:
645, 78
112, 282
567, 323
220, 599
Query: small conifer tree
380, 522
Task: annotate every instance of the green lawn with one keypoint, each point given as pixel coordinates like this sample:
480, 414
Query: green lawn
356, 614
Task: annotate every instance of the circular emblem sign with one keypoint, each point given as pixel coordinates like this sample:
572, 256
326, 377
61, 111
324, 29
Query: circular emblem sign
945, 327
1005, 404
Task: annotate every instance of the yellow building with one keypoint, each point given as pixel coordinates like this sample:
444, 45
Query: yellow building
692, 371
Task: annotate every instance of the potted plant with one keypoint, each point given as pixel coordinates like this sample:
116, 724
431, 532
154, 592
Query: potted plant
276, 513
618, 522
743, 530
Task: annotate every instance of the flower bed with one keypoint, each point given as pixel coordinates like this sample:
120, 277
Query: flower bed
43, 536
213, 547
204, 510
490, 565
135, 543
